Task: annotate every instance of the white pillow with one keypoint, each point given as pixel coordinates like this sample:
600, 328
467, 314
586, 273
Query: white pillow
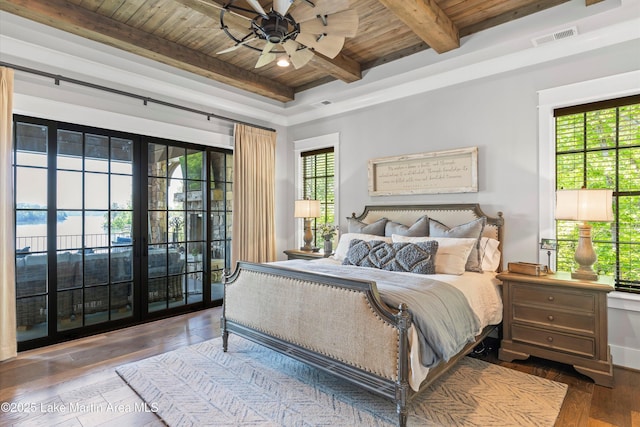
489, 254
343, 245
452, 253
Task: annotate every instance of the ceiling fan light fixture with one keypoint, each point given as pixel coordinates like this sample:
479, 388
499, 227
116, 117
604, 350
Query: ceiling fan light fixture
281, 30
283, 62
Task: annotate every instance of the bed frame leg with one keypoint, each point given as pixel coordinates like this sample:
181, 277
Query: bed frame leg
402, 415
225, 341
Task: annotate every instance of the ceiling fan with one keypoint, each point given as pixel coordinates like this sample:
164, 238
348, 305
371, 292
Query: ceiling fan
292, 30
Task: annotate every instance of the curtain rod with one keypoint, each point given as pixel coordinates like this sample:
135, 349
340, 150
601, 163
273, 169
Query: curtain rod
145, 99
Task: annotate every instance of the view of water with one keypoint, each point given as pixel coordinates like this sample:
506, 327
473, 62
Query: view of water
34, 235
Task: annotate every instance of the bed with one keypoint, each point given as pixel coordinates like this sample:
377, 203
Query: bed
348, 318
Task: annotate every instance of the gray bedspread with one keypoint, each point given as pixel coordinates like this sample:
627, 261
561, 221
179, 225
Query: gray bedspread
441, 314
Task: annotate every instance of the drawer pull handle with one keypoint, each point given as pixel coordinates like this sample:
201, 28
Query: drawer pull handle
550, 318
550, 339
551, 298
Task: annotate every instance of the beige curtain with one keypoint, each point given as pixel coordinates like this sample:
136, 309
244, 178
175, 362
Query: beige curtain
253, 195
8, 344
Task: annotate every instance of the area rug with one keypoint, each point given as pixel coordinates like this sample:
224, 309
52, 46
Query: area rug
250, 385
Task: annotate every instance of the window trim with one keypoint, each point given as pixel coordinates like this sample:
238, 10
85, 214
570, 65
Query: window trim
310, 144
615, 86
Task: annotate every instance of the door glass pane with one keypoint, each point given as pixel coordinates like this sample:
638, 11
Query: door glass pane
95, 230
96, 267
96, 305
121, 300
96, 153
69, 272
69, 309
121, 264
121, 192
69, 190
96, 191
31, 191
70, 149
157, 261
157, 227
31, 144
157, 193
157, 165
121, 156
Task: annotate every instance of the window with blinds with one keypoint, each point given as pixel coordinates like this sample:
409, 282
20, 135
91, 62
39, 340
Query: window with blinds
598, 146
318, 173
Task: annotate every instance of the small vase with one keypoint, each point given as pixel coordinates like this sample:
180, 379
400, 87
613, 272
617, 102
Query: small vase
328, 247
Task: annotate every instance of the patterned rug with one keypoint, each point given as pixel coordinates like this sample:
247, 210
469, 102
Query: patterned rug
250, 385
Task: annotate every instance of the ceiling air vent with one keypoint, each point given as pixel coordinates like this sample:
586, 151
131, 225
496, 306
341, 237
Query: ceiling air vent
558, 35
321, 103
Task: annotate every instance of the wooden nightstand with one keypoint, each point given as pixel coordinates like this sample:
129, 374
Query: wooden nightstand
299, 254
557, 318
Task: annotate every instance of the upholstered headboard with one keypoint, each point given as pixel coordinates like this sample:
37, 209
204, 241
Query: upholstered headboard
450, 215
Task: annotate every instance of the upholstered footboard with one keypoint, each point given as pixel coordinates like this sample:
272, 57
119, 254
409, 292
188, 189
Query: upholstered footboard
338, 325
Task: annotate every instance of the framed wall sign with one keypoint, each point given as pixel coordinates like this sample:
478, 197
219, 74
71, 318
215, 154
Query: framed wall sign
451, 171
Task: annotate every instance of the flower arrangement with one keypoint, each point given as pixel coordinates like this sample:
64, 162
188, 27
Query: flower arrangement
327, 231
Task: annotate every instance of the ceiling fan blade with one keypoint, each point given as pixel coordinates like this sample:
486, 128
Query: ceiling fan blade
304, 11
344, 24
265, 59
290, 46
255, 4
298, 56
236, 46
282, 6
266, 56
329, 46
301, 57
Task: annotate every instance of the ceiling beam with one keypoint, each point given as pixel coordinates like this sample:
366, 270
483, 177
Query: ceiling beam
69, 17
427, 21
341, 67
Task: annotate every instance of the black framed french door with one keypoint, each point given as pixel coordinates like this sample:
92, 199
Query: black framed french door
111, 229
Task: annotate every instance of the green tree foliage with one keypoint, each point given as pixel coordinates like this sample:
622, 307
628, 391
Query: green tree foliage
601, 149
318, 184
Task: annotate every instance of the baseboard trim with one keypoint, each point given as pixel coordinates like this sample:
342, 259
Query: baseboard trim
625, 357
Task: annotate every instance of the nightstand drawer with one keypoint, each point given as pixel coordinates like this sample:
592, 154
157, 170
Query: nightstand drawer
579, 322
581, 346
544, 295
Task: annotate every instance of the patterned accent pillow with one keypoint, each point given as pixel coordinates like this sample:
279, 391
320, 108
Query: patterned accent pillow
472, 229
345, 242
409, 257
377, 227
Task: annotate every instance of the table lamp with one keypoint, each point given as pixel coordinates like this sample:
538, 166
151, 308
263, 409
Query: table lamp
584, 205
307, 209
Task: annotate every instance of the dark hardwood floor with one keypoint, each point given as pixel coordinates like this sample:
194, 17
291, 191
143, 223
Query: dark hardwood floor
75, 384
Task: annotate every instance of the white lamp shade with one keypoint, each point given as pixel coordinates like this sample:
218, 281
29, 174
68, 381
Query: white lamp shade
584, 205
307, 209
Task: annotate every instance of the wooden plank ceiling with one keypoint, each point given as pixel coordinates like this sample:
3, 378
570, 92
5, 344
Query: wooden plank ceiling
187, 34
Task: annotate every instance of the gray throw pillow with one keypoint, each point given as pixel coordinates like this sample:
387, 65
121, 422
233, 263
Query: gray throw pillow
420, 228
377, 228
472, 229
407, 257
